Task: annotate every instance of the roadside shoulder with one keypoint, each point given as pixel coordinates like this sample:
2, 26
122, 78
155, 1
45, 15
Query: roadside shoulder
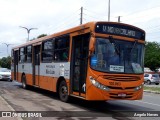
149, 91
4, 106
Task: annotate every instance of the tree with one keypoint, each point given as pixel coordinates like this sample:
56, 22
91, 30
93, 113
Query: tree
152, 55
42, 35
5, 62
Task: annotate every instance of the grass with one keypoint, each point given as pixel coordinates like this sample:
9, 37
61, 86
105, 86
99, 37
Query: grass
157, 89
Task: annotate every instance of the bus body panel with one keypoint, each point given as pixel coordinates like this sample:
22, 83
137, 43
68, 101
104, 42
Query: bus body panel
49, 73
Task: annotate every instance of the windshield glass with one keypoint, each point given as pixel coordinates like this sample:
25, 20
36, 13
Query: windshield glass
117, 56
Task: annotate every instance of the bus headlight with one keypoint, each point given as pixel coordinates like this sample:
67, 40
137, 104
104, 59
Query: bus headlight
98, 85
138, 87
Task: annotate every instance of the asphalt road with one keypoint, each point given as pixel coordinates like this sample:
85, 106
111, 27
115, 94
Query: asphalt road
35, 99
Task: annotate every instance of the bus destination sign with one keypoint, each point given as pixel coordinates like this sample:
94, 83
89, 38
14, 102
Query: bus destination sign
118, 29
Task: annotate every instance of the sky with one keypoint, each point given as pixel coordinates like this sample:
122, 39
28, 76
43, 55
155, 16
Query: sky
51, 16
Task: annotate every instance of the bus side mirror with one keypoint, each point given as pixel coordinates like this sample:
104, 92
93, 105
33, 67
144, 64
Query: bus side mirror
91, 53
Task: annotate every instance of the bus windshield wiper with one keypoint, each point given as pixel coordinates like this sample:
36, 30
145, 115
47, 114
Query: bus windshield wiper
111, 40
135, 42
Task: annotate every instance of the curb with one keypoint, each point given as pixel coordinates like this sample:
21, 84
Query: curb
148, 91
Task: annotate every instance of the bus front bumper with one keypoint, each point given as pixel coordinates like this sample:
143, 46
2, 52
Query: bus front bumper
103, 95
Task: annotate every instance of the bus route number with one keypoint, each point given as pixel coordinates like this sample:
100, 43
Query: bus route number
115, 83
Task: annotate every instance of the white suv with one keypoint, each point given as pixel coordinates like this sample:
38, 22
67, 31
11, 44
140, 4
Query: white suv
151, 78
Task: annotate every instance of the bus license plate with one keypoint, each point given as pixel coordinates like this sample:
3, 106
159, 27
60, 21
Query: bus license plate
122, 95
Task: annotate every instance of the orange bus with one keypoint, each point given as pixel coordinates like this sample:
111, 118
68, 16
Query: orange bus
95, 61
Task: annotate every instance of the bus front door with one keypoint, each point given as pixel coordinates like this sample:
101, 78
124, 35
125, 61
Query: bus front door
15, 65
79, 63
36, 63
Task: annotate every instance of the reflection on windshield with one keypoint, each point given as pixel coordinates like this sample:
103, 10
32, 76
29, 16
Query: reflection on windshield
107, 59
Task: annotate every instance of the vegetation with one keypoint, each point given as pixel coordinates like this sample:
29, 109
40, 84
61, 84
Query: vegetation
152, 55
42, 35
157, 89
5, 62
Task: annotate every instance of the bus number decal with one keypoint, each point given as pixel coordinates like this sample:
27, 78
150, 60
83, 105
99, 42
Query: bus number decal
115, 83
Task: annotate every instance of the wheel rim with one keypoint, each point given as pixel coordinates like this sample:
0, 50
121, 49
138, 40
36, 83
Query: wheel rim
63, 92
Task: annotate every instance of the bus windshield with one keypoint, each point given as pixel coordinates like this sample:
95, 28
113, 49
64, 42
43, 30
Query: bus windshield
117, 56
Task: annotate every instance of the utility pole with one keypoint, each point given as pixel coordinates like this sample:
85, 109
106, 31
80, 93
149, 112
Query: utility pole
28, 30
108, 10
119, 19
81, 19
7, 47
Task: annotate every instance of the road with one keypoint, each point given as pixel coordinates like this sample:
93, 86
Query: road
35, 99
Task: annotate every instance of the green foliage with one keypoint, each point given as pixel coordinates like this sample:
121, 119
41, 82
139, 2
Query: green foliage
42, 35
157, 89
5, 62
152, 55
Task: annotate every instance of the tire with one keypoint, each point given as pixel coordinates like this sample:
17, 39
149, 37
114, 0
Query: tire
63, 91
148, 82
10, 80
157, 83
23, 79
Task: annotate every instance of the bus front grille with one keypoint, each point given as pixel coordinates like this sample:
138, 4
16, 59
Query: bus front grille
121, 78
120, 88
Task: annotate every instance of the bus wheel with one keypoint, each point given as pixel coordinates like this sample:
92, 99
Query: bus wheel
24, 82
63, 91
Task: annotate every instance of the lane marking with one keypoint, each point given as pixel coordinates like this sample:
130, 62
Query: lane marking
149, 103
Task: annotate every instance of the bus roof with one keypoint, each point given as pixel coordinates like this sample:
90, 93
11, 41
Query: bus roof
90, 25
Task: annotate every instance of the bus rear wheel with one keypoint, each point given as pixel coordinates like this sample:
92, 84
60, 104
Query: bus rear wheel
63, 91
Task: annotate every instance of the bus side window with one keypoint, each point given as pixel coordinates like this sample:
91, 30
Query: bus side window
61, 49
65, 55
22, 55
47, 51
29, 54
